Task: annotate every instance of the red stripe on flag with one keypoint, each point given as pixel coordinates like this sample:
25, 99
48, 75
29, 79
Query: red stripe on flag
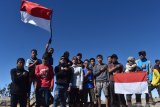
130, 77
36, 10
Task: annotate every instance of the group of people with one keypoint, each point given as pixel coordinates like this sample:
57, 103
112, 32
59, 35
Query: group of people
77, 79
39, 72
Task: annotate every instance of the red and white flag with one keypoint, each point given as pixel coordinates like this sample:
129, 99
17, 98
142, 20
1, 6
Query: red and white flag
131, 83
36, 14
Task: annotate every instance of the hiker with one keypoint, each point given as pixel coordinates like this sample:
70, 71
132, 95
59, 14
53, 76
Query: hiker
63, 82
88, 86
20, 84
131, 66
49, 52
145, 65
101, 80
45, 81
77, 85
31, 64
155, 78
117, 100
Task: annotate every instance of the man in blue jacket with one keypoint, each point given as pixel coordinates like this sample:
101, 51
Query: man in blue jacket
145, 65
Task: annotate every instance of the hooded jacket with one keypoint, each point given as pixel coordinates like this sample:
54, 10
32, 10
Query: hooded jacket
77, 79
155, 78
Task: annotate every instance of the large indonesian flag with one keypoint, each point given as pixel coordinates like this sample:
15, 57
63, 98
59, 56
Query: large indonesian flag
36, 14
131, 83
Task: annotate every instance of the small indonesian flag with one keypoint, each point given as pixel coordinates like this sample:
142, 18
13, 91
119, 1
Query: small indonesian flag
131, 83
36, 14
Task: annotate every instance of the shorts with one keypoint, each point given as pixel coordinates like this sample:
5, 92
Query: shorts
102, 86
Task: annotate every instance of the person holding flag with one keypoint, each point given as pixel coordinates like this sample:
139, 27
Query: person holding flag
117, 100
131, 66
145, 65
49, 52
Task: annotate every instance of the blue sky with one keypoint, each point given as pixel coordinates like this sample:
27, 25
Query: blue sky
92, 27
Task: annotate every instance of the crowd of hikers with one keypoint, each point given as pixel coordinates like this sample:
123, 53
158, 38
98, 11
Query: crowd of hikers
77, 79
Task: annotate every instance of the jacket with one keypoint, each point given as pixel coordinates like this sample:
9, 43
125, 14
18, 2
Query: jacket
20, 83
77, 79
63, 77
155, 78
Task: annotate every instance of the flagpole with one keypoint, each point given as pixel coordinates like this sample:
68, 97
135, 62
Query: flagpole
50, 39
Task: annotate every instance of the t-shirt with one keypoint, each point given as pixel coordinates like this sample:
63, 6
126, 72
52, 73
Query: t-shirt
88, 81
44, 75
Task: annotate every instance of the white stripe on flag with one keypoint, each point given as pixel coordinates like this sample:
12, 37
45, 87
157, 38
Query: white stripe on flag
131, 88
40, 22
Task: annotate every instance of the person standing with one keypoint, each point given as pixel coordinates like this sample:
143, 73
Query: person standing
101, 80
156, 78
45, 81
19, 84
145, 65
117, 100
131, 66
31, 64
77, 84
63, 82
88, 86
49, 52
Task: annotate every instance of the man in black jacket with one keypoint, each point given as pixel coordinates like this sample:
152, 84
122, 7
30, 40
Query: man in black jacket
63, 82
19, 85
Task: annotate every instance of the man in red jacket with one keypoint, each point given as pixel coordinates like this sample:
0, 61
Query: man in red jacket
45, 81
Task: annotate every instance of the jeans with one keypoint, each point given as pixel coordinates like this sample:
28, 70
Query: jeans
21, 99
46, 94
60, 95
89, 91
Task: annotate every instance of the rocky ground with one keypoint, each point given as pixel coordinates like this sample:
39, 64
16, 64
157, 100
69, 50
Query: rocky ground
5, 102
